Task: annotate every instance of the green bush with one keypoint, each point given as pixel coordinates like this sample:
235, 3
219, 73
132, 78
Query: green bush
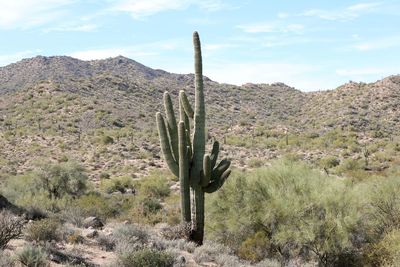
106, 140
96, 205
154, 185
387, 251
329, 162
116, 184
385, 205
62, 179
32, 256
43, 230
255, 162
147, 258
302, 211
255, 248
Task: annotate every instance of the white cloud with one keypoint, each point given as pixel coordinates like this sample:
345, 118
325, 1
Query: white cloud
283, 15
213, 47
348, 13
271, 27
363, 6
381, 43
26, 14
73, 28
6, 59
143, 8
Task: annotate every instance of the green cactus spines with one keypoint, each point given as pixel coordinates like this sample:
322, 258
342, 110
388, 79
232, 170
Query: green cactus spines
186, 157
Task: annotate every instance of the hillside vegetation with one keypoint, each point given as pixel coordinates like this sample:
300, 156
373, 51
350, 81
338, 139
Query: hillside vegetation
315, 178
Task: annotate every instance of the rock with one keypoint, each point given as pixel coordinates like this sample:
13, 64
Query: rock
94, 222
5, 204
131, 191
91, 233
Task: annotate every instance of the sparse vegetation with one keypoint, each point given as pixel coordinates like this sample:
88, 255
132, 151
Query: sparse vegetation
10, 227
331, 199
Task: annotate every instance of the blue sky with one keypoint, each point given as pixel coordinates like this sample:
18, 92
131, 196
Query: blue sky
309, 45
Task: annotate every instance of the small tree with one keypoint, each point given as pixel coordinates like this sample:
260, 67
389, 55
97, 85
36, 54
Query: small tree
10, 227
61, 179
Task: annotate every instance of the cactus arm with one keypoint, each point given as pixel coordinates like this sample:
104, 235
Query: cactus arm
199, 140
205, 178
165, 145
184, 117
218, 183
184, 174
220, 169
171, 125
186, 105
214, 154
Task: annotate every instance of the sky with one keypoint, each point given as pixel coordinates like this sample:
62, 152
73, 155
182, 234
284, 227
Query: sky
310, 45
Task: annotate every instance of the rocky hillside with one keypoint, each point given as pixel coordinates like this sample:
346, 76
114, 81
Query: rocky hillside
101, 113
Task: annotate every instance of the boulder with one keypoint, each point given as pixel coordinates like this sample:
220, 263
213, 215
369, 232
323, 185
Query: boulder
93, 222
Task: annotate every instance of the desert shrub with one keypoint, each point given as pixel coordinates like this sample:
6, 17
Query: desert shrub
268, 263
75, 237
10, 227
73, 215
226, 260
154, 185
32, 256
255, 162
254, 248
50, 188
131, 233
385, 205
180, 231
106, 140
147, 258
302, 211
106, 242
387, 251
209, 251
43, 230
6, 260
349, 165
120, 184
150, 205
329, 162
62, 179
96, 205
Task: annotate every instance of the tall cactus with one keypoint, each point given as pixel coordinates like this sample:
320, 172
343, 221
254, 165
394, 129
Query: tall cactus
186, 158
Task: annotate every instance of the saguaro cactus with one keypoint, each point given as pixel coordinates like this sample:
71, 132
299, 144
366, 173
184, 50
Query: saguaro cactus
186, 157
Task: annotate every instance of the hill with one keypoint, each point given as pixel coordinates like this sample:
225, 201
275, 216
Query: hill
101, 113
